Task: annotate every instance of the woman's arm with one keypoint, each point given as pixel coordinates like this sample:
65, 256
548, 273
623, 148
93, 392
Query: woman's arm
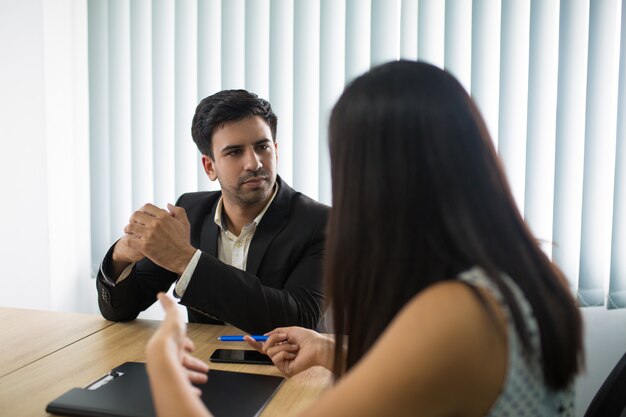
295, 349
442, 355
171, 368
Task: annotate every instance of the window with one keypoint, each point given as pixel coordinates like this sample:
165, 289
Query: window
549, 77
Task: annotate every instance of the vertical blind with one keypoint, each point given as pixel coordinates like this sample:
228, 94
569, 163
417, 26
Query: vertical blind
549, 77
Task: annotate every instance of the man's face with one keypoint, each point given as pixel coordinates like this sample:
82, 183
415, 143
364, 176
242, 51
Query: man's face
244, 161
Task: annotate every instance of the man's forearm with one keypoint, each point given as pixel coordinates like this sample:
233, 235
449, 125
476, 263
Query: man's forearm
217, 287
116, 269
121, 257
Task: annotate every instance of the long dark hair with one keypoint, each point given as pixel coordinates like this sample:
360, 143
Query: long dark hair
419, 195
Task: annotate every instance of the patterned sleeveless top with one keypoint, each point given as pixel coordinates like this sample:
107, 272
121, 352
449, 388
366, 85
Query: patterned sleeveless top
524, 392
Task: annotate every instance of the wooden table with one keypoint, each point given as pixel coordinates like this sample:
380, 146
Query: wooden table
43, 354
26, 336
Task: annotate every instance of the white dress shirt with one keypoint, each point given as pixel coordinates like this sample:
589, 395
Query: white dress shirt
231, 249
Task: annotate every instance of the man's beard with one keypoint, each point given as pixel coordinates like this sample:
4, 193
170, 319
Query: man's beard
255, 196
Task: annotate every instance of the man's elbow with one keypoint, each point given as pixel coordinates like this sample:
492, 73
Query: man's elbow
111, 314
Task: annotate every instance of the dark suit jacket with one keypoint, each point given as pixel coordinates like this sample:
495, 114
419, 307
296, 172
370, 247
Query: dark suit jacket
282, 284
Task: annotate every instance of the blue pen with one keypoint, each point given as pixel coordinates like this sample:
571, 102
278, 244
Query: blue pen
240, 338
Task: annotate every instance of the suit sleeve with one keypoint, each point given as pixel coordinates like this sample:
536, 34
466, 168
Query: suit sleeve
237, 297
124, 301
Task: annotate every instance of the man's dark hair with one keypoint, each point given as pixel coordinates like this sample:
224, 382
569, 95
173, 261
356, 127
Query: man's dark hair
226, 106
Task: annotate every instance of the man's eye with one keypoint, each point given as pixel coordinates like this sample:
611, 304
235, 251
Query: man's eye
263, 147
235, 152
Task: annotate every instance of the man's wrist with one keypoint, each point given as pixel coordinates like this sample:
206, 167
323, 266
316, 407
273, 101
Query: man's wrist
113, 265
183, 260
118, 262
185, 277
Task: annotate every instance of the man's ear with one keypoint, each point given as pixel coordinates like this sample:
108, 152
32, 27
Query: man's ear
276, 150
209, 167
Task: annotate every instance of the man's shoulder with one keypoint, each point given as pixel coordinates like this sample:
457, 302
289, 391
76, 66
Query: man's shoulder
305, 203
307, 214
300, 202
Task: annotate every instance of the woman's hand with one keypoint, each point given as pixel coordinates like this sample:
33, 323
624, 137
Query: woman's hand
172, 369
169, 345
295, 349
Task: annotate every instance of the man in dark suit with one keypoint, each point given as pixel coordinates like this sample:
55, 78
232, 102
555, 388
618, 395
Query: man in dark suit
249, 255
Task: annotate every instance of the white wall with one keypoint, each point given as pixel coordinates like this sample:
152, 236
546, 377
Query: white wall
24, 224
44, 194
67, 138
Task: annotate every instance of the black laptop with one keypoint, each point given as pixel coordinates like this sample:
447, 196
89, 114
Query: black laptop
125, 392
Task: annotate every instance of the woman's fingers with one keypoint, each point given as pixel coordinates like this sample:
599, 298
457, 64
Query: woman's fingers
188, 345
276, 330
197, 391
283, 361
285, 347
274, 340
196, 369
194, 364
173, 322
197, 377
285, 356
167, 303
256, 345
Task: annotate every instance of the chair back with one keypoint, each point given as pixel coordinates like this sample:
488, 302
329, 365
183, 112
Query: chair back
610, 400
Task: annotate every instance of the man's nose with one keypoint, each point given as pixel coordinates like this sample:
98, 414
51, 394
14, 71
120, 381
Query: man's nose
252, 161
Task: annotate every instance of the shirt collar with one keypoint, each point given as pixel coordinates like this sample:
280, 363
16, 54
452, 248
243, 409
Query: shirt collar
219, 220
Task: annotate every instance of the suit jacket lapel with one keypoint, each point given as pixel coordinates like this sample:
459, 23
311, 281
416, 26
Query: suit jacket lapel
210, 232
275, 218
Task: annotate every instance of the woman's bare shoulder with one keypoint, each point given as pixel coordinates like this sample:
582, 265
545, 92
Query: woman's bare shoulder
443, 354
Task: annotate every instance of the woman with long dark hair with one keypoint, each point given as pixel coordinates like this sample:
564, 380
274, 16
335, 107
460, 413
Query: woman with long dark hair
442, 301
